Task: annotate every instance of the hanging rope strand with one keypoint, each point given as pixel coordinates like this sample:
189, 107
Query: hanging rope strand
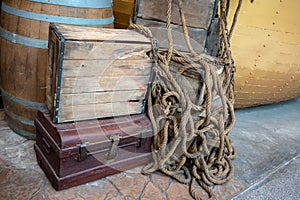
234, 21
185, 30
191, 141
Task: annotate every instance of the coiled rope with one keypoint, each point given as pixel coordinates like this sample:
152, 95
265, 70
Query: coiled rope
191, 142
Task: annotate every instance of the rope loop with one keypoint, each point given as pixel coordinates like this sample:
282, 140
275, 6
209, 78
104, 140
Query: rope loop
191, 109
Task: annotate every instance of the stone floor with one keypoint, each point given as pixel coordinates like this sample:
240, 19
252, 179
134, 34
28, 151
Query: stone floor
267, 139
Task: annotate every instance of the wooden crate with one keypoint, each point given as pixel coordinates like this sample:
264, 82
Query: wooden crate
199, 14
96, 73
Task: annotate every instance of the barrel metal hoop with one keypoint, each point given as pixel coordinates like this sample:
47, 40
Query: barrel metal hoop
78, 3
25, 103
26, 41
21, 132
58, 19
19, 119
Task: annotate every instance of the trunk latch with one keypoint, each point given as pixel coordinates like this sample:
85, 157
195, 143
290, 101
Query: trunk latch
112, 153
83, 152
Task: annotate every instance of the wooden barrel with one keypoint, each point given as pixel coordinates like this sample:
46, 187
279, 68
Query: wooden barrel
24, 41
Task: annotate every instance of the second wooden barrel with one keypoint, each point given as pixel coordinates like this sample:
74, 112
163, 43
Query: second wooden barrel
24, 30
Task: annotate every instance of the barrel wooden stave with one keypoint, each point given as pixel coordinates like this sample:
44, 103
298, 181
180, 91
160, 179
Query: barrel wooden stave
19, 80
24, 37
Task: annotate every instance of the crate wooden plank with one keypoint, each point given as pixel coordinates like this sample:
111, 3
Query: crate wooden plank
82, 112
95, 73
53, 55
100, 34
80, 68
105, 51
101, 97
103, 83
197, 35
198, 13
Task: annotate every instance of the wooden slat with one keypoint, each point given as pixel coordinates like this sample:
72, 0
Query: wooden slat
101, 76
53, 54
15, 71
103, 83
197, 35
104, 34
81, 112
48, 9
105, 51
198, 13
101, 97
83, 68
52, 9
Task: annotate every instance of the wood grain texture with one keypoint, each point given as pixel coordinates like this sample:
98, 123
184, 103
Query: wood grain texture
123, 10
21, 64
103, 83
105, 50
100, 75
197, 35
58, 147
23, 68
39, 29
97, 34
198, 13
53, 56
101, 97
98, 110
84, 68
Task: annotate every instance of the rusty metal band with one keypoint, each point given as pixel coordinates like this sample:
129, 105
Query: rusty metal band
57, 19
25, 103
26, 41
18, 118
